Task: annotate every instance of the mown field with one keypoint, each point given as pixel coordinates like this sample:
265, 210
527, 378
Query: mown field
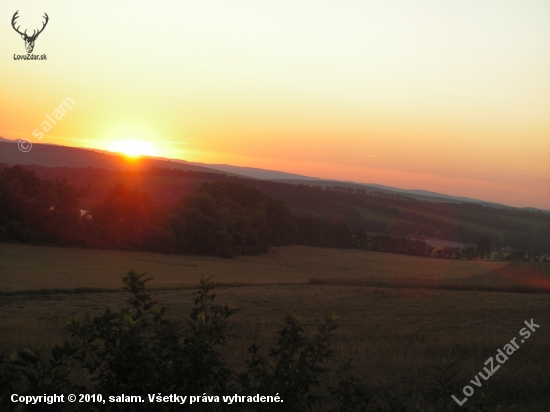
394, 334
24, 267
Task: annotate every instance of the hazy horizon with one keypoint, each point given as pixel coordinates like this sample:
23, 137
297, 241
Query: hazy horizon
278, 175
452, 97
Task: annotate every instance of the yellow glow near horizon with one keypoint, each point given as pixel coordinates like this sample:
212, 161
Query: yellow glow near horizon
132, 148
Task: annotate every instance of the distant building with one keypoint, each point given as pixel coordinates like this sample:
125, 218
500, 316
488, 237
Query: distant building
85, 214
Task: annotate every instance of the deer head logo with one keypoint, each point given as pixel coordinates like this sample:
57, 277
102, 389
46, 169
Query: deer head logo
29, 40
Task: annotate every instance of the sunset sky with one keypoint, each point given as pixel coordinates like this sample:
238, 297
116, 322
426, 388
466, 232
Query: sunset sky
446, 96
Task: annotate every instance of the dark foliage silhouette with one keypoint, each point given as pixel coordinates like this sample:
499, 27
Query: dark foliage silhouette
138, 352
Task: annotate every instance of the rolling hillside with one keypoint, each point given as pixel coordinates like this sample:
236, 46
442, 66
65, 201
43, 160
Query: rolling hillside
370, 208
62, 156
359, 209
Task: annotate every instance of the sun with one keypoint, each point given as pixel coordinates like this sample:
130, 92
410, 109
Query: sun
133, 148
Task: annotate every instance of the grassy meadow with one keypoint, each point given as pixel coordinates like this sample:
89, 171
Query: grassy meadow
395, 320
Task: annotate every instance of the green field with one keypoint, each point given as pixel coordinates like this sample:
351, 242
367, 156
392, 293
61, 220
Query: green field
394, 334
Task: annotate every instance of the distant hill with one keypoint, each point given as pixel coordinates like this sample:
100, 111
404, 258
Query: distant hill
256, 173
359, 208
63, 156
415, 194
293, 178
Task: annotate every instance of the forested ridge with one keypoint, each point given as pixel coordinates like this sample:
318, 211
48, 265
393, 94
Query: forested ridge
221, 218
174, 211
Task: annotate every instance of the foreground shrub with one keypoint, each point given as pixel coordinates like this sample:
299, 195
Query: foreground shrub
137, 352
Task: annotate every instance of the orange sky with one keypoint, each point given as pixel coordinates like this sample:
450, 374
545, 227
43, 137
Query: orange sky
452, 97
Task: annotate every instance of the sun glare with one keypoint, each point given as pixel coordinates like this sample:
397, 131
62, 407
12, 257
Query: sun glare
133, 148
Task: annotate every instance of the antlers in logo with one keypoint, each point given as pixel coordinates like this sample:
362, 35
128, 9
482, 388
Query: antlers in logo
29, 40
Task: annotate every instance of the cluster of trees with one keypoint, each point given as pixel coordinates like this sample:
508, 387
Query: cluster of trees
225, 219
222, 218
315, 231
407, 246
522, 256
125, 219
521, 229
34, 210
536, 241
457, 253
391, 244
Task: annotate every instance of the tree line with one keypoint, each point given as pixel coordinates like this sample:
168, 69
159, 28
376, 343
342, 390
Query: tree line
401, 215
221, 218
224, 218
390, 214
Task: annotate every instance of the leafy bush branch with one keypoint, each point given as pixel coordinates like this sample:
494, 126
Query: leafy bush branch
137, 351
